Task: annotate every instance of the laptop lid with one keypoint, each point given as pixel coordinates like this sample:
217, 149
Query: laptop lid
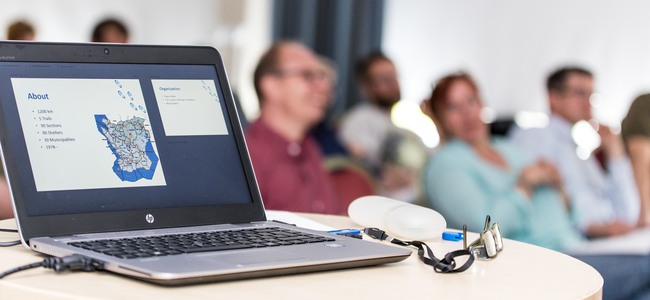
104, 137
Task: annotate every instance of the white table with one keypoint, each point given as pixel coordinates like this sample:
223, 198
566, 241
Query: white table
521, 271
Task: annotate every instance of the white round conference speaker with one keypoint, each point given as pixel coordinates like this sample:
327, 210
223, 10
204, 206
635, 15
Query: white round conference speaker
398, 218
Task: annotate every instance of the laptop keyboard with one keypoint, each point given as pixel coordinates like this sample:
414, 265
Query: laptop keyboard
200, 242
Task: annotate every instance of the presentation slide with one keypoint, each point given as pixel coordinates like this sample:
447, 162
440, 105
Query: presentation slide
87, 133
189, 107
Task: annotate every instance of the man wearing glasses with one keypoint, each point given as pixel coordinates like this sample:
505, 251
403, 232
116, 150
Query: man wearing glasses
292, 87
605, 199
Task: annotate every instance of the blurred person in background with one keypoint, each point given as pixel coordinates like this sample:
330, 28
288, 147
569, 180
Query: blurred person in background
604, 196
21, 31
110, 31
472, 175
635, 131
394, 155
292, 89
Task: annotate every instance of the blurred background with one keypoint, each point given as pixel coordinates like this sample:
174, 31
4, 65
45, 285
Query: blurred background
509, 46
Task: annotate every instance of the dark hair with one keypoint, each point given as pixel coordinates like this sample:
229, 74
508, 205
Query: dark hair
557, 80
18, 30
269, 63
442, 87
363, 65
98, 32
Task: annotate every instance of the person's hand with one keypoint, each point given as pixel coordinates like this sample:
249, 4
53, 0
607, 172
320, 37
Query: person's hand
540, 173
610, 229
395, 177
611, 144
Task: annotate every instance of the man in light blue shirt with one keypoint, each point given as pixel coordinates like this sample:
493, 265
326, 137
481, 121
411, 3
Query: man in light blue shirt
605, 202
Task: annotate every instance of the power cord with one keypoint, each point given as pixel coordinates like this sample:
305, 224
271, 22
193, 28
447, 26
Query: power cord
10, 243
59, 264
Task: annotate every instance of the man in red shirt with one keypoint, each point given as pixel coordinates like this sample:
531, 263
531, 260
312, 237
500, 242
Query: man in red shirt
292, 88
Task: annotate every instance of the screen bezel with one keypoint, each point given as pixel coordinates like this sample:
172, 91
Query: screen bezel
69, 224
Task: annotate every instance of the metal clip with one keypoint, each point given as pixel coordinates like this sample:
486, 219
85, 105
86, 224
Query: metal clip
489, 243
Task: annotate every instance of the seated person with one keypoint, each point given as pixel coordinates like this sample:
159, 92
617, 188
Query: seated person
471, 175
394, 155
292, 90
605, 199
635, 131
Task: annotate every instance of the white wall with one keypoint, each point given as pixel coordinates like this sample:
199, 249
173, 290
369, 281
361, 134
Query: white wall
239, 29
510, 46
150, 21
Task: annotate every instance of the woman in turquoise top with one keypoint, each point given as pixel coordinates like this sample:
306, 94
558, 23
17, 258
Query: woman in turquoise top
472, 175
464, 188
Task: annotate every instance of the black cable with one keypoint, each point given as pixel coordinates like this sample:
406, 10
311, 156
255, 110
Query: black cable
10, 243
59, 264
445, 265
25, 267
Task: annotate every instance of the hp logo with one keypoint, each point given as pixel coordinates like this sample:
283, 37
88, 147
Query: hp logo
149, 218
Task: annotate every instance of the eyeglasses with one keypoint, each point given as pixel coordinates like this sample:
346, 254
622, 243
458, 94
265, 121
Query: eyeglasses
576, 92
306, 74
382, 79
489, 243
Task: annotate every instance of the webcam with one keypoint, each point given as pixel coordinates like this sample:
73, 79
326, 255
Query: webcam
106, 51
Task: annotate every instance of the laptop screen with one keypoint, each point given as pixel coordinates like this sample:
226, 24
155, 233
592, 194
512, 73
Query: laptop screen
108, 137
112, 137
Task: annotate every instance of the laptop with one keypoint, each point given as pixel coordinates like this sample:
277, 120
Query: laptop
134, 157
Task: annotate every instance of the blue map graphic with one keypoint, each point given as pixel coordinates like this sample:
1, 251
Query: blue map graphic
130, 142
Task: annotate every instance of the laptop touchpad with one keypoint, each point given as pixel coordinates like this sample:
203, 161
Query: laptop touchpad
256, 257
